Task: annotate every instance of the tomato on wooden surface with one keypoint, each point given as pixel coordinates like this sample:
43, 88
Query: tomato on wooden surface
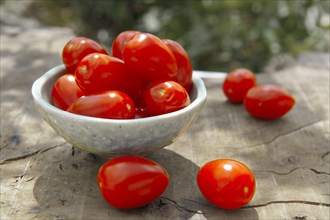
149, 58
226, 183
99, 72
108, 104
131, 181
237, 84
163, 97
76, 49
65, 91
185, 70
268, 102
120, 42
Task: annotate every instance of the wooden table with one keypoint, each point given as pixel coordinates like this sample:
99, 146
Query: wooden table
43, 177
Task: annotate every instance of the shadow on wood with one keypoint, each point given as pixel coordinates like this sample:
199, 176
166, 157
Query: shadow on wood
68, 189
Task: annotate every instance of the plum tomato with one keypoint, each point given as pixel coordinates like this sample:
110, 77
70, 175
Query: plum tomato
140, 112
184, 73
149, 58
120, 42
65, 91
108, 104
226, 183
76, 49
162, 97
130, 181
99, 72
268, 102
237, 84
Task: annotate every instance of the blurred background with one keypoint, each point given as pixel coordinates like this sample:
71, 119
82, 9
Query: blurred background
219, 35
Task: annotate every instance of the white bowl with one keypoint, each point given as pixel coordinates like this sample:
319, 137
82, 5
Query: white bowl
113, 137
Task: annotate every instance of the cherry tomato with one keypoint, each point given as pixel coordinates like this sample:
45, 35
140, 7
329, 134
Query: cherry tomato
149, 58
131, 182
226, 183
120, 42
65, 91
268, 102
237, 84
140, 112
162, 97
184, 74
109, 104
76, 49
99, 72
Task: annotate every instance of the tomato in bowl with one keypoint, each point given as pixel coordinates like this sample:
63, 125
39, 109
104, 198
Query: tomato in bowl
113, 137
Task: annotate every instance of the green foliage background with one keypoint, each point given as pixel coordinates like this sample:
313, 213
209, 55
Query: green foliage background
218, 34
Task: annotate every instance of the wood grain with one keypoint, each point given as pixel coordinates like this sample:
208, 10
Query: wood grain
43, 177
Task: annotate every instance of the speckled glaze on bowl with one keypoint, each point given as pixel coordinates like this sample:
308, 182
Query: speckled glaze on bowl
110, 137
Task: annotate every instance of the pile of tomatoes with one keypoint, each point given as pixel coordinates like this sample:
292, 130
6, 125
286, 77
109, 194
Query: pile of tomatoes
144, 76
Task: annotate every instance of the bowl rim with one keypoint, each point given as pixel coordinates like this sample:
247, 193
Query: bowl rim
40, 82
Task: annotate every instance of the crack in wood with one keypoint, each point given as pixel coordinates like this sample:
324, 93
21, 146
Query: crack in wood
30, 154
325, 154
319, 172
72, 151
30, 179
160, 204
297, 168
180, 207
60, 167
286, 133
271, 202
300, 217
288, 202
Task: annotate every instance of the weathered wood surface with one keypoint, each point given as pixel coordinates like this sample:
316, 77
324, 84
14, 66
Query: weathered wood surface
43, 177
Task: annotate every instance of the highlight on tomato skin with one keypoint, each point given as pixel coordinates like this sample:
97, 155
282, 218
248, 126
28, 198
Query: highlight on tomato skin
130, 181
65, 92
268, 102
226, 183
163, 97
237, 83
121, 41
108, 104
141, 112
148, 58
76, 49
100, 72
185, 69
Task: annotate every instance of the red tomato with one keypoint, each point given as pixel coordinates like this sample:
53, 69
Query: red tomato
162, 97
131, 182
99, 72
65, 91
140, 112
226, 183
184, 74
237, 84
149, 58
76, 49
109, 104
268, 102
120, 42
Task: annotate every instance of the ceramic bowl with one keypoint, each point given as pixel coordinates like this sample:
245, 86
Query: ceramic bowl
113, 137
